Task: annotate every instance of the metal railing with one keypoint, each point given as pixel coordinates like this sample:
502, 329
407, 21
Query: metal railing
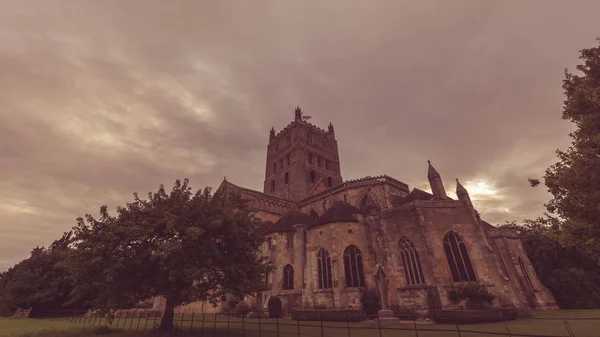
220, 325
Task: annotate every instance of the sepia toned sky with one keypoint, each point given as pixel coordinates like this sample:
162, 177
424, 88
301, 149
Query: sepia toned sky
100, 99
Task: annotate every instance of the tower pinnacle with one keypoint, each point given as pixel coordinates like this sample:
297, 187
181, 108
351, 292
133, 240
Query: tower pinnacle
435, 181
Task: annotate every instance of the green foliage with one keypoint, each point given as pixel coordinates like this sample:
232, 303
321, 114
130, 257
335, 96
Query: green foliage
179, 245
475, 295
275, 307
370, 302
569, 272
43, 281
574, 181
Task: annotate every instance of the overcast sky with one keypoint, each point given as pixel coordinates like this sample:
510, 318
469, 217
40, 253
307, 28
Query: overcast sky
99, 99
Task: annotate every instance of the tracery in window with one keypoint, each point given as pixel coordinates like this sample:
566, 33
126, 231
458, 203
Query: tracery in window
459, 262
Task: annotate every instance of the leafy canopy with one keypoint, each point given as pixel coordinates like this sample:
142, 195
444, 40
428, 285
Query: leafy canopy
574, 181
179, 245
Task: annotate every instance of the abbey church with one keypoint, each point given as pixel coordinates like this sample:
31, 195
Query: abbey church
331, 238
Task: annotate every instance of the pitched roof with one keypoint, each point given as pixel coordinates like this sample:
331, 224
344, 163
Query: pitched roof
320, 186
415, 194
340, 211
288, 220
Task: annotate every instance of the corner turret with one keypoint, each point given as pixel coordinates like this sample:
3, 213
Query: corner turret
435, 181
330, 128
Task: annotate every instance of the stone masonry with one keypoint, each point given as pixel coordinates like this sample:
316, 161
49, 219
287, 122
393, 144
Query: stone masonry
326, 235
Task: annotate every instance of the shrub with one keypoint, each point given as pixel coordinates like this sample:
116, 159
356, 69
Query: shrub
370, 302
275, 307
242, 309
475, 295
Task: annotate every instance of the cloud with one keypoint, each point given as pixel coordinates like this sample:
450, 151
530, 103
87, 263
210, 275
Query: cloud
98, 100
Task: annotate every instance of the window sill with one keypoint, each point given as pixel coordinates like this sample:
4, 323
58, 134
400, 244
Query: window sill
290, 292
353, 289
328, 290
415, 286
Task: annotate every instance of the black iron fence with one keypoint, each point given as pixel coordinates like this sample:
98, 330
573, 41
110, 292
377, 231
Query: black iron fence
221, 325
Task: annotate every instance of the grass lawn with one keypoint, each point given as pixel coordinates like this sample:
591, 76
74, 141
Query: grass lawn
543, 324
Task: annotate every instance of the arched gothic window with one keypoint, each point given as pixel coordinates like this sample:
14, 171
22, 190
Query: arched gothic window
312, 176
286, 178
353, 267
413, 272
329, 181
288, 277
525, 273
324, 269
458, 258
314, 214
273, 186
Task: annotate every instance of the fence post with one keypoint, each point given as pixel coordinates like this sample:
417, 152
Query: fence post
298, 321
125, 320
228, 317
348, 323
458, 329
192, 323
181, 323
379, 325
322, 335
415, 322
132, 317
202, 328
139, 319
566, 323
259, 325
146, 323
94, 322
118, 319
243, 326
507, 329
215, 326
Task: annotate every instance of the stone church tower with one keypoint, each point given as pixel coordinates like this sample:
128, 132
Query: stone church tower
330, 239
300, 156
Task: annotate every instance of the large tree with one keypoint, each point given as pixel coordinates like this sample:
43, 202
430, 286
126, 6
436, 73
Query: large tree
574, 181
179, 245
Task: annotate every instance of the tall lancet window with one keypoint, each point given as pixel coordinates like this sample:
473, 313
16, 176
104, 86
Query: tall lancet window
413, 272
458, 258
288, 277
324, 269
353, 267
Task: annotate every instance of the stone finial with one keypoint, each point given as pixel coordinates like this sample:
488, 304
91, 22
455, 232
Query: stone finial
272, 133
330, 127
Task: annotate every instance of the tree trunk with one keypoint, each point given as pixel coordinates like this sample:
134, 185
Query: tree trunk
166, 323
